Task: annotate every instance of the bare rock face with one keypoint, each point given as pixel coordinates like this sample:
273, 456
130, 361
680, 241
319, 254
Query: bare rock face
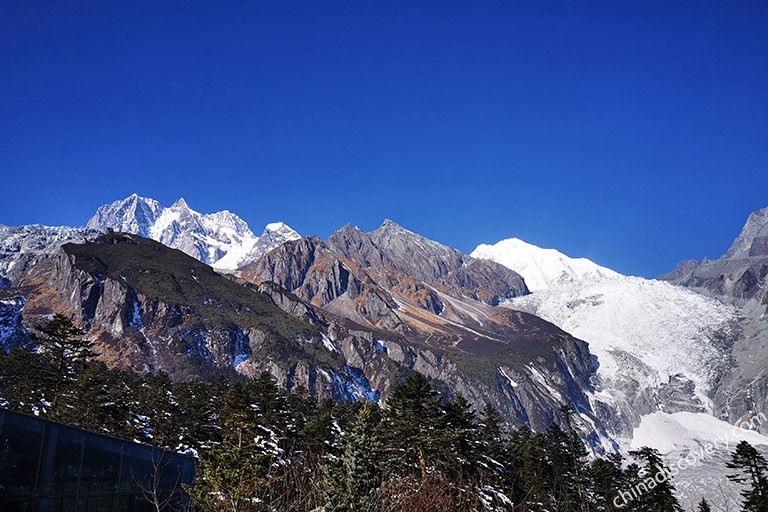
740, 273
151, 308
392, 251
433, 309
366, 276
342, 317
739, 277
23, 247
221, 239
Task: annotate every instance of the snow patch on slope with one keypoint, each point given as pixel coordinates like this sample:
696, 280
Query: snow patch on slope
689, 431
642, 331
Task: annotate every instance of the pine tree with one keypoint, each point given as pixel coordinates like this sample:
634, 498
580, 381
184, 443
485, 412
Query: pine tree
491, 432
529, 473
234, 473
751, 467
196, 413
22, 380
607, 479
352, 480
704, 506
157, 410
64, 346
98, 400
658, 492
415, 422
461, 438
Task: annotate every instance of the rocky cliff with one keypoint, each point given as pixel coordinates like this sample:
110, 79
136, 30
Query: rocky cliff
739, 278
438, 306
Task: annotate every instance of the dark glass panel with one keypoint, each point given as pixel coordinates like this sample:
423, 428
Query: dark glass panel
19, 456
101, 504
66, 463
137, 474
9, 504
101, 466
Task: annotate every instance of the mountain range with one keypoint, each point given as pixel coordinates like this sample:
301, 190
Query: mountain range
525, 329
220, 239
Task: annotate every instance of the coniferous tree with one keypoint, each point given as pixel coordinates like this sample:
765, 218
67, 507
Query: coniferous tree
461, 438
491, 432
658, 491
98, 400
197, 409
607, 479
63, 345
564, 458
529, 472
704, 506
415, 421
352, 480
157, 410
752, 468
22, 381
233, 475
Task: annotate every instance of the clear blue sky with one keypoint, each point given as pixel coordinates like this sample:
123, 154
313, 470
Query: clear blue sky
633, 133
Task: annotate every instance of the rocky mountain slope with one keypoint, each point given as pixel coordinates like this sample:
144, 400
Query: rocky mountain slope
341, 329
408, 287
220, 239
658, 347
345, 316
150, 307
24, 246
739, 278
741, 273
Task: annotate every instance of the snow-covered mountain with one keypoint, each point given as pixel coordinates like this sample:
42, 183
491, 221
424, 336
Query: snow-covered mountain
541, 268
659, 347
220, 239
21, 247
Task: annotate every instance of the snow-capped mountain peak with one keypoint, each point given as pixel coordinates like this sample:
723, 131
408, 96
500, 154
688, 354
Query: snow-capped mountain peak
180, 204
658, 347
134, 214
220, 239
541, 268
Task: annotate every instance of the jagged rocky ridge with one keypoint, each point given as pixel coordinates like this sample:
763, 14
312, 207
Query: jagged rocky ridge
151, 307
21, 247
442, 303
739, 278
219, 239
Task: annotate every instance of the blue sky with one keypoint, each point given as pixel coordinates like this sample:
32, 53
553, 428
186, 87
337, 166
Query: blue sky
633, 133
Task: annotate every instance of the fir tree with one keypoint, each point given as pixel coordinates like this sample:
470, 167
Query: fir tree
657, 491
751, 467
352, 480
704, 506
461, 438
415, 422
491, 433
22, 381
64, 346
607, 479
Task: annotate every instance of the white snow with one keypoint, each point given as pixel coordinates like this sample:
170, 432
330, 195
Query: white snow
511, 382
689, 431
328, 344
220, 239
640, 330
644, 333
541, 268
